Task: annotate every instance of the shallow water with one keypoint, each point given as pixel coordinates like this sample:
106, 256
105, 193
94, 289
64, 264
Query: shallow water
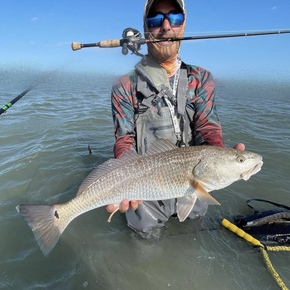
44, 158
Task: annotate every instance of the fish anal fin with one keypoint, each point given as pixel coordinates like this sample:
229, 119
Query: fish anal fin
184, 206
116, 208
203, 195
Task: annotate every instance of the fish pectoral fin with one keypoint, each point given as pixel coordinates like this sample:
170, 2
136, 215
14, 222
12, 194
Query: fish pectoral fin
184, 206
116, 208
203, 195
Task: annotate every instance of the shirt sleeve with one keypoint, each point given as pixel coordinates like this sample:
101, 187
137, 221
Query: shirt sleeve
122, 97
207, 127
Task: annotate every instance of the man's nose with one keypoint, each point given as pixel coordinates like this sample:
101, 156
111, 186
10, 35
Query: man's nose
165, 25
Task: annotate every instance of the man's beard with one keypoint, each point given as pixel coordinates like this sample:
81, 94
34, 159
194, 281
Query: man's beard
163, 53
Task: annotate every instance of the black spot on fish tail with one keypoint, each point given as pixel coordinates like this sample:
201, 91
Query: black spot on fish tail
56, 214
45, 223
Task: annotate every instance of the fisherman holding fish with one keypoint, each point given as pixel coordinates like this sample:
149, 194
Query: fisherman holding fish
163, 98
160, 106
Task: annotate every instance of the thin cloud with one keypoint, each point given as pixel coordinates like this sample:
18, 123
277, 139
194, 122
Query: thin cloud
34, 19
273, 8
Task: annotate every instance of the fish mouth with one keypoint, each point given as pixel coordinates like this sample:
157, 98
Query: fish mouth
247, 174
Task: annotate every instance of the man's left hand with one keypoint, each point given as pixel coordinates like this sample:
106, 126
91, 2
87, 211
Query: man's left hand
240, 146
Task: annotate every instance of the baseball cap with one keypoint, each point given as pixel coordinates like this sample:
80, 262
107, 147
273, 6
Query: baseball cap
150, 2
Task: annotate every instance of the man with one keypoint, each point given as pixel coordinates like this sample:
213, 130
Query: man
163, 98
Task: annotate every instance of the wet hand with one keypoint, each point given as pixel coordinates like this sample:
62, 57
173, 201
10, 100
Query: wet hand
124, 205
240, 146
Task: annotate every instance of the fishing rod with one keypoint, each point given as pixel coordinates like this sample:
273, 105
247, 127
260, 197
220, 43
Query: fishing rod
8, 105
37, 83
132, 40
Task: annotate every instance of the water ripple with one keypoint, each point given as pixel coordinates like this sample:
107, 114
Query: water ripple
44, 158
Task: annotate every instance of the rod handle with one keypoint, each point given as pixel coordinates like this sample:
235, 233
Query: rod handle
110, 43
76, 46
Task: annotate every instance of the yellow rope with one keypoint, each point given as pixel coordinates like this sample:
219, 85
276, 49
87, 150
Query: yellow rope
271, 269
278, 248
263, 250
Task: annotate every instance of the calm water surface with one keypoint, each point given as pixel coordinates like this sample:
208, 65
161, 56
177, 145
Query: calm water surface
44, 158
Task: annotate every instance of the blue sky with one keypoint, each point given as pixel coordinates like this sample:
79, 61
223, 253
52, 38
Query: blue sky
38, 33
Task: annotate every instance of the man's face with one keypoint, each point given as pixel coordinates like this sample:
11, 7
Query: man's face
165, 30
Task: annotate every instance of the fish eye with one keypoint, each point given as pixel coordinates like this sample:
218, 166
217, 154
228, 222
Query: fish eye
241, 159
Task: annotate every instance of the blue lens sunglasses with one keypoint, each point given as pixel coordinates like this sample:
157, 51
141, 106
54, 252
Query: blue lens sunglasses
175, 19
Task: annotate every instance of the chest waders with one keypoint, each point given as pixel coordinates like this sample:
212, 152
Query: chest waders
161, 109
154, 120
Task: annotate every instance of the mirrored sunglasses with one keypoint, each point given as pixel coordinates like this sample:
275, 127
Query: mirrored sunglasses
175, 19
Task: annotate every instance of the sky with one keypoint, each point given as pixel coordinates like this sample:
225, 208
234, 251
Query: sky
37, 34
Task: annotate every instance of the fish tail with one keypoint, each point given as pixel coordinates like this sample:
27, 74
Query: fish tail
46, 224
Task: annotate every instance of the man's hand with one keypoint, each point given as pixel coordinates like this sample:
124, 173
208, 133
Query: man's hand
240, 146
124, 205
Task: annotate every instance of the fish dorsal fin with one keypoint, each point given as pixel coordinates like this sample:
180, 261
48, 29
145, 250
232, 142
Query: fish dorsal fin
108, 167
203, 195
184, 206
159, 146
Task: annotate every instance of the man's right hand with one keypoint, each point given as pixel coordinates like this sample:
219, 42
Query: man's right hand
125, 205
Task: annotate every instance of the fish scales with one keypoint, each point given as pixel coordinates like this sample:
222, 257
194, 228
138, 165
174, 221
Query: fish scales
166, 173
